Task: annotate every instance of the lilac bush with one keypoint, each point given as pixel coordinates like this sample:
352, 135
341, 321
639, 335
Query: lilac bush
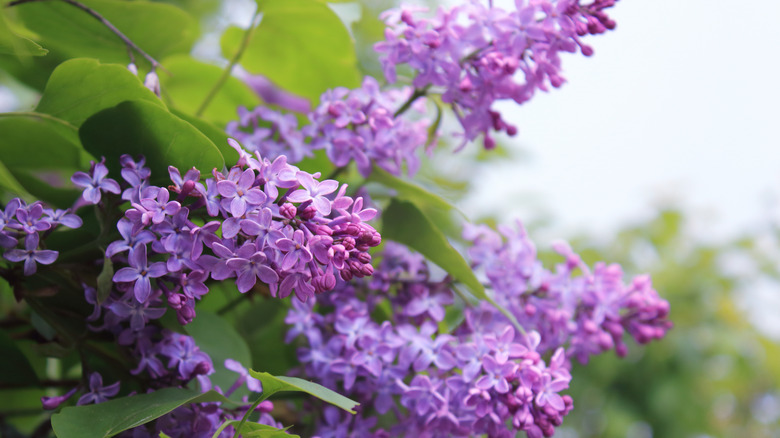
378, 324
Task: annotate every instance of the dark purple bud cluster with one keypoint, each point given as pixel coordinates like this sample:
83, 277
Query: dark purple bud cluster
478, 54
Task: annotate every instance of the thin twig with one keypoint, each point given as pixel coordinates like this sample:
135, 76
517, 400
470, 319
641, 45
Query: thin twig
418, 93
130, 44
226, 73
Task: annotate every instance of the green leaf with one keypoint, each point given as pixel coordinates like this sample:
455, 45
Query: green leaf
408, 191
300, 45
79, 88
403, 222
191, 80
13, 44
112, 417
217, 338
216, 135
105, 280
139, 127
250, 429
9, 184
15, 369
41, 152
158, 29
274, 384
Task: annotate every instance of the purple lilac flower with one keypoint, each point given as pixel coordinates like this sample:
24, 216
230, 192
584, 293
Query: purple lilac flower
482, 377
97, 392
140, 273
350, 125
95, 182
476, 54
31, 255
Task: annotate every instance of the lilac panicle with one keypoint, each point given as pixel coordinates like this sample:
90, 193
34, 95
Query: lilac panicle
482, 377
476, 54
350, 125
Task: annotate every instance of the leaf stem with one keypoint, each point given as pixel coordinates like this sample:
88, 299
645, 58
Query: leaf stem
226, 73
252, 408
128, 42
418, 93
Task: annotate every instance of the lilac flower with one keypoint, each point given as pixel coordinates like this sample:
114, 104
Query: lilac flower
315, 192
140, 273
29, 219
97, 392
138, 312
250, 264
63, 217
251, 383
131, 240
52, 403
295, 252
95, 182
240, 193
185, 356
479, 54
549, 393
31, 255
421, 395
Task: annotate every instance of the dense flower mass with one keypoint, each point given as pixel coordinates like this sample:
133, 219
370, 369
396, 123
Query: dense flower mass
359, 125
275, 224
476, 54
478, 375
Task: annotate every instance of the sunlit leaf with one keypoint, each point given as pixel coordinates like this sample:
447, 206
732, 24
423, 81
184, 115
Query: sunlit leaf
114, 416
79, 88
274, 384
300, 45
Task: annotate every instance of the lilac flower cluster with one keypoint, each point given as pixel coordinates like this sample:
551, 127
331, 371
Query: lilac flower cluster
357, 125
276, 224
477, 54
164, 359
27, 225
414, 378
587, 314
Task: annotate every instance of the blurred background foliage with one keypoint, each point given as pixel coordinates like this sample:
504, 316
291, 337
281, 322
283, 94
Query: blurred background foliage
714, 375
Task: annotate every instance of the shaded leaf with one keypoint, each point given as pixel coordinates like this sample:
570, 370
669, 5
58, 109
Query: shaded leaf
403, 222
41, 153
15, 369
216, 135
216, 337
114, 416
105, 280
79, 88
300, 45
143, 128
274, 384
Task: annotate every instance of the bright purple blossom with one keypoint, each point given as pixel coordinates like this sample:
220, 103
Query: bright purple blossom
95, 182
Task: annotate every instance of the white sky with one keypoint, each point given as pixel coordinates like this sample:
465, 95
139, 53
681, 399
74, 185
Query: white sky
679, 103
